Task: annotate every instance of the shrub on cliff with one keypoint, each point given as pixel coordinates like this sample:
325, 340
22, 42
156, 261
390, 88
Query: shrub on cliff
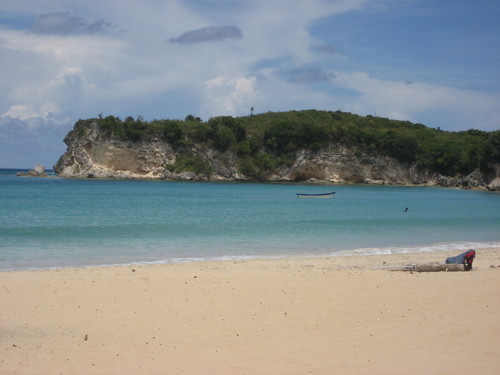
193, 164
258, 165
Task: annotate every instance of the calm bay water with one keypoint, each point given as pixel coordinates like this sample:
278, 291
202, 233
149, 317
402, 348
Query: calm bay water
54, 222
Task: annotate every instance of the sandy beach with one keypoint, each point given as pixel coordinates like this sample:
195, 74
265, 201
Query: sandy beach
335, 315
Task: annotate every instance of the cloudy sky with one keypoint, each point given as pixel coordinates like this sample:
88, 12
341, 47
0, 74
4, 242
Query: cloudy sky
435, 62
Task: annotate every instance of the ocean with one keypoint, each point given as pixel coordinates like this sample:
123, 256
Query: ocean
54, 222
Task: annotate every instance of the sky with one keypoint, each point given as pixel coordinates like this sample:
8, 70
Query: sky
435, 62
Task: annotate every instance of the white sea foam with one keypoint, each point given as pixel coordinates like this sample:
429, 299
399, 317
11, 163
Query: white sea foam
443, 246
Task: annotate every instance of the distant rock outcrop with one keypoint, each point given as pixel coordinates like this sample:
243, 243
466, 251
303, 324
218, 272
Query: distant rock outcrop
92, 153
494, 178
37, 171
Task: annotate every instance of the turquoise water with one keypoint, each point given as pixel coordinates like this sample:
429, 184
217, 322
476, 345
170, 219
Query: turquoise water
54, 222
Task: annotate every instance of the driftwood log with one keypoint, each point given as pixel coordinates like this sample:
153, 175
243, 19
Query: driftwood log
432, 267
439, 267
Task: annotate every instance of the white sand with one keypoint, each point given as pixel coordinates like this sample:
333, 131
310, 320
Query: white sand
338, 315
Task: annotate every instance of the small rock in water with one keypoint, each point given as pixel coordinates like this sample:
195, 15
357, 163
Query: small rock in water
38, 171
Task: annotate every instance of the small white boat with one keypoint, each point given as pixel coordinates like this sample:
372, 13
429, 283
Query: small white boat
321, 195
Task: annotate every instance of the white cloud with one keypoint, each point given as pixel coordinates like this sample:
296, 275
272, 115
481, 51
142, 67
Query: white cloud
225, 96
46, 102
63, 71
415, 101
25, 112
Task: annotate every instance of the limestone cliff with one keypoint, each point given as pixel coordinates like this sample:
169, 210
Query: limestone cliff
91, 153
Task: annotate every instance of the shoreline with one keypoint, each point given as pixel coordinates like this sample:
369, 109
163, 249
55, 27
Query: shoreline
348, 315
312, 182
439, 248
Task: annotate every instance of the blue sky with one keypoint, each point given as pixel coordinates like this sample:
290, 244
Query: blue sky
435, 62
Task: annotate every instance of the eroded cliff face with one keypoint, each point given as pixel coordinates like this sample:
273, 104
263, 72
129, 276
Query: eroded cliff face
93, 154
340, 165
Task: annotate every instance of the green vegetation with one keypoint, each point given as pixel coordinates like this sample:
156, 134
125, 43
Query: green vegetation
194, 164
266, 141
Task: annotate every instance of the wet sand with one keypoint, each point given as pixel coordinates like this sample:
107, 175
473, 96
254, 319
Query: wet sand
335, 315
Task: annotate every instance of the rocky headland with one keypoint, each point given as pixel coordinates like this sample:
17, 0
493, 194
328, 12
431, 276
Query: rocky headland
94, 153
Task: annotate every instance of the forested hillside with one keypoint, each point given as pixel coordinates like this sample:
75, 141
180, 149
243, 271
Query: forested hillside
266, 141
